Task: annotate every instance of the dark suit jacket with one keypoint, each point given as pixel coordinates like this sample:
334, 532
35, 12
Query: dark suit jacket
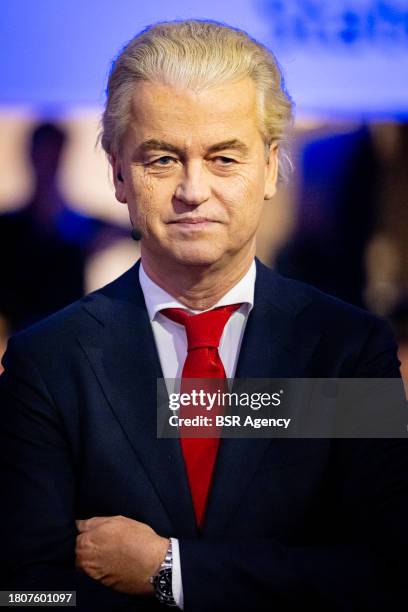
289, 523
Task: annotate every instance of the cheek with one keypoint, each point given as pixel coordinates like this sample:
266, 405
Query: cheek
143, 200
244, 198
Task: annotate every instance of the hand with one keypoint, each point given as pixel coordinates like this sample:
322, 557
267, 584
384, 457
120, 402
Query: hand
119, 552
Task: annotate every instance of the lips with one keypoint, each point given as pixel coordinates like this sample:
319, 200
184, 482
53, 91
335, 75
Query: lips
193, 220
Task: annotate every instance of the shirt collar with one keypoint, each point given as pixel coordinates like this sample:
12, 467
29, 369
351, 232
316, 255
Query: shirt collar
157, 298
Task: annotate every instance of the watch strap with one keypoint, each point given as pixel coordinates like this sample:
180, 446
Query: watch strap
162, 579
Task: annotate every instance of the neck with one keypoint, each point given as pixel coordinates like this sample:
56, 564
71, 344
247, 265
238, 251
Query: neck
197, 287
47, 203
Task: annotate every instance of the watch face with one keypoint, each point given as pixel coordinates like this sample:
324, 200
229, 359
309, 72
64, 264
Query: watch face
163, 583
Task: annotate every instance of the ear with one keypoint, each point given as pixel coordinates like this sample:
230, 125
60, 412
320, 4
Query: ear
271, 172
118, 180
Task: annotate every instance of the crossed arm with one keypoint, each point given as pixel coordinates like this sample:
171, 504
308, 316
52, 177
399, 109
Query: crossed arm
119, 552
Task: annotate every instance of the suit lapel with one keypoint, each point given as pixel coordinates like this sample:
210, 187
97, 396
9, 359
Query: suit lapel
271, 348
122, 352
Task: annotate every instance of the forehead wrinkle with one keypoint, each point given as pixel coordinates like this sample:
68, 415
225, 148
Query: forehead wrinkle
159, 96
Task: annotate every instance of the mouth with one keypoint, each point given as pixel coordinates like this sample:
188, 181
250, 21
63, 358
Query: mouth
193, 223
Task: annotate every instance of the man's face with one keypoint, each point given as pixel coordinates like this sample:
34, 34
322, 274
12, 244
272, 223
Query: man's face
195, 173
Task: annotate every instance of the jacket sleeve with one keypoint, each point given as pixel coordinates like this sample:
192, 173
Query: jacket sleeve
38, 491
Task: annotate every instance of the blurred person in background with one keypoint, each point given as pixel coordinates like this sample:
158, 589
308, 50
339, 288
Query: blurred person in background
43, 245
351, 235
337, 215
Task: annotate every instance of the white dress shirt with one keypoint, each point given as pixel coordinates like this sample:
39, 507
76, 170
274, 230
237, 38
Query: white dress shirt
171, 343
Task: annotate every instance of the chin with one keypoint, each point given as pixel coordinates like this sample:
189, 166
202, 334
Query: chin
197, 256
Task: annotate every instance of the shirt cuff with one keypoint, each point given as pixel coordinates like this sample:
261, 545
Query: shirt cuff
176, 582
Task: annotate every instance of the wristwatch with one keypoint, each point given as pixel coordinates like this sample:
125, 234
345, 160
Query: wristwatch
162, 580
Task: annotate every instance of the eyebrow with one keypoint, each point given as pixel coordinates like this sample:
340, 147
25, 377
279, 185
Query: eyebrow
162, 145
234, 144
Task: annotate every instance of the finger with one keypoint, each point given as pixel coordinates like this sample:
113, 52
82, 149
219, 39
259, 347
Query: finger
87, 524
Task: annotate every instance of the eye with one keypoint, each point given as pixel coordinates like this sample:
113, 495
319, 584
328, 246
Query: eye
223, 160
164, 160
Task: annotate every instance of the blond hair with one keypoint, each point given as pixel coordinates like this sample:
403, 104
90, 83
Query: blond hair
198, 54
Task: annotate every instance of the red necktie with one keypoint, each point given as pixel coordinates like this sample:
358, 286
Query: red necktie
203, 361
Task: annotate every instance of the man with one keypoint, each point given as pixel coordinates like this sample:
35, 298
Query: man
53, 236
193, 127
44, 233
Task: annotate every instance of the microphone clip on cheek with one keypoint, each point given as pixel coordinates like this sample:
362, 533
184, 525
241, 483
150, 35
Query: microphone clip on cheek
136, 235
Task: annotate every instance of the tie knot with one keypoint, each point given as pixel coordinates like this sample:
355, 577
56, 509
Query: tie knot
203, 329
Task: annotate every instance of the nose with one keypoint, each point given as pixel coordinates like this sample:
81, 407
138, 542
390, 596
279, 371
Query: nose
193, 188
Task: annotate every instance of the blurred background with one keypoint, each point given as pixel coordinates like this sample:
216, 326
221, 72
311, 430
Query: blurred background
341, 222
